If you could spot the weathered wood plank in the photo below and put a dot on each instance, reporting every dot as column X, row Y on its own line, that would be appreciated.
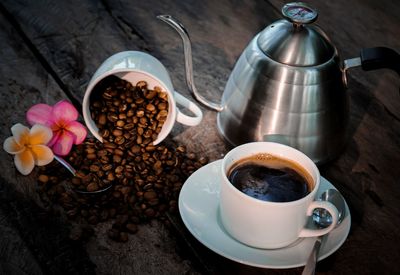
column 32, row 241
column 75, row 38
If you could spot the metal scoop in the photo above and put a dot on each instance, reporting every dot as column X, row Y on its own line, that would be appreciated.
column 71, row 169
column 323, row 219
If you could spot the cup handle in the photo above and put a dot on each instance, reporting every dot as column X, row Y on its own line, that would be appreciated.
column 306, row 232
column 185, row 119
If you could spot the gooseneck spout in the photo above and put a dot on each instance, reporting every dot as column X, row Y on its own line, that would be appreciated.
column 187, row 48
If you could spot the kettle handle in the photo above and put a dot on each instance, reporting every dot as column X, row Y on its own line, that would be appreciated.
column 187, row 48
column 373, row 59
column 378, row 58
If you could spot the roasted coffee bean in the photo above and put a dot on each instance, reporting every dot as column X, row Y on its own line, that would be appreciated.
column 149, row 195
column 91, row 156
column 153, row 202
column 43, row 178
column 151, row 94
column 122, row 108
column 116, row 194
column 143, row 122
column 140, row 113
column 87, row 178
column 134, row 219
column 94, row 168
column 122, row 219
column 117, row 132
column 76, row 181
column 117, row 159
column 93, row 186
column 129, row 126
column 129, row 141
column 191, row 156
column 139, row 182
column 97, row 104
column 102, row 119
column 148, row 186
column 112, row 212
column 107, row 167
column 112, row 117
column 131, row 228
column 119, row 140
column 141, row 85
column 100, row 174
column 203, row 160
column 148, row 133
column 150, row 212
column 130, row 113
column 181, row 149
column 135, row 149
column 140, row 131
column 113, row 234
column 110, row 145
column 110, row 176
column 90, row 150
column 102, row 153
column 93, row 219
column 105, row 133
column 157, row 164
column 107, row 95
column 150, row 148
column 119, row 169
column 162, row 106
column 116, row 102
column 150, row 107
column 120, row 123
column 123, row 237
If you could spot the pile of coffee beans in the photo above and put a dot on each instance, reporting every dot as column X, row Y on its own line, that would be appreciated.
column 126, row 178
column 127, row 115
column 143, row 191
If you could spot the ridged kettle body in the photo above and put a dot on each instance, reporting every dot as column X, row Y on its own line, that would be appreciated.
column 304, row 106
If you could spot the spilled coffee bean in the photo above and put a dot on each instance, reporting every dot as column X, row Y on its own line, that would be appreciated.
column 145, row 185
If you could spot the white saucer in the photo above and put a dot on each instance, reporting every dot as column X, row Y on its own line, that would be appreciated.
column 198, row 206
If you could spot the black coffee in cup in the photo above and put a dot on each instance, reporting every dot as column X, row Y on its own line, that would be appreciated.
column 270, row 178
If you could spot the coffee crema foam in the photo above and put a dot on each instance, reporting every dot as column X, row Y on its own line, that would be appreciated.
column 271, row 178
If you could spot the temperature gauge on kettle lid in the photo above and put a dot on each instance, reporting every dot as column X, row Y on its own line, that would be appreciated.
column 299, row 13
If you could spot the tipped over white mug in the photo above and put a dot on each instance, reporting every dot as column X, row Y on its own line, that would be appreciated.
column 135, row 66
column 265, row 224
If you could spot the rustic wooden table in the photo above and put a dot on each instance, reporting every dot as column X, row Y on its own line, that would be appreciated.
column 49, row 51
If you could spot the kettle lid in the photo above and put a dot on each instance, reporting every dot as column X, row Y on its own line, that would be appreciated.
column 293, row 41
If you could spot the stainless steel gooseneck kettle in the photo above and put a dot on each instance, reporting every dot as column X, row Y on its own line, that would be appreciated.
column 288, row 86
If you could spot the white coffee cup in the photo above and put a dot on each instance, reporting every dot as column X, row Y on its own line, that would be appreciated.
column 265, row 224
column 135, row 66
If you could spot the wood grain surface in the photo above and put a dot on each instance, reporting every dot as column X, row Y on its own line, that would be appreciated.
column 49, row 51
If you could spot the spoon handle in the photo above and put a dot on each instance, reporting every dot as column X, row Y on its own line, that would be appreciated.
column 309, row 269
column 65, row 164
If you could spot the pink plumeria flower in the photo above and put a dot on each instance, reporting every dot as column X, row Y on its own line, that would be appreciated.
column 29, row 147
column 61, row 118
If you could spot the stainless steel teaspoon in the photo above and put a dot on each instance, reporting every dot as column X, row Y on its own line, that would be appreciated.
column 323, row 219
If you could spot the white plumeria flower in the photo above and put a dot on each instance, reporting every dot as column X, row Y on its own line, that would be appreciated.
column 29, row 147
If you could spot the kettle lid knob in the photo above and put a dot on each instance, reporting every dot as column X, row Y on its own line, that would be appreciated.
column 299, row 13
